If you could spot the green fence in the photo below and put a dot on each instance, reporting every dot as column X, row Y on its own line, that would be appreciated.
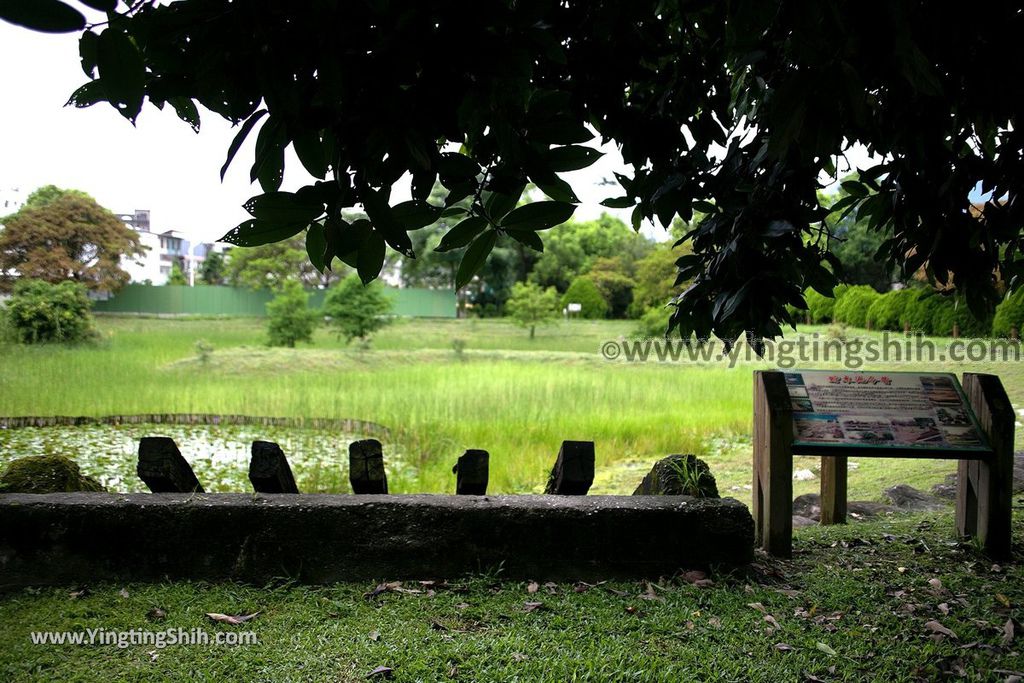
column 214, row 300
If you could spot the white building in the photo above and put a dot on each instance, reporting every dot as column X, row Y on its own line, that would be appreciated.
column 164, row 250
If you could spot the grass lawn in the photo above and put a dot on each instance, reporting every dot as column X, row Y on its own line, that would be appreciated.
column 515, row 397
column 868, row 601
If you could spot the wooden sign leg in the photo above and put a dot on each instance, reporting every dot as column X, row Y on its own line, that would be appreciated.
column 773, row 464
column 833, row 489
column 990, row 479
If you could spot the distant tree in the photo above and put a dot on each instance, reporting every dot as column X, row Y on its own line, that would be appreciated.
column 656, row 277
column 531, row 305
column 610, row 276
column 289, row 318
column 177, row 276
column 268, row 266
column 584, row 292
column 39, row 311
column 213, row 269
column 570, row 250
column 356, row 310
column 65, row 235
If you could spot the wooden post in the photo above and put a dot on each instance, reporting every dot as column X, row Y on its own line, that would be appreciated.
column 833, row 489
column 366, row 467
column 268, row 469
column 985, row 487
column 956, row 331
column 773, row 464
column 471, row 473
column 163, row 469
column 1014, row 333
column 573, row 472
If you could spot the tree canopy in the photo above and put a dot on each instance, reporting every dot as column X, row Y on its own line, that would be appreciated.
column 65, row 235
column 735, row 109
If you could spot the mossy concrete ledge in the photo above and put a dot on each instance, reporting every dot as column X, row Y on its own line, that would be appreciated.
column 88, row 537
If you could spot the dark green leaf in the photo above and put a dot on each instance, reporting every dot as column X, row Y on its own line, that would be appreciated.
column 618, row 203
column 386, row 222
column 239, row 138
column 186, row 111
column 498, row 204
column 101, row 5
column 310, row 150
column 253, row 233
column 268, row 166
column 555, row 187
column 854, row 188
column 561, row 131
column 284, row 207
column 538, row 216
column 528, row 238
column 474, row 258
column 88, row 45
column 88, row 95
column 415, row 214
column 123, row 72
column 316, row 245
column 48, row 16
column 705, row 207
column 462, row 234
column 572, row 158
column 454, row 166
column 371, row 257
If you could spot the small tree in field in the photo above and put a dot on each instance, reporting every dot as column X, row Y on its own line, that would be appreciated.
column 289, row 317
column 40, row 312
column 531, row 305
column 357, row 311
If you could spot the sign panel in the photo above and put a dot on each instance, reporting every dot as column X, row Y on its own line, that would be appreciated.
column 878, row 410
column 575, row 307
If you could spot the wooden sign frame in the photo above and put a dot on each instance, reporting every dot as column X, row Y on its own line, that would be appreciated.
column 984, row 481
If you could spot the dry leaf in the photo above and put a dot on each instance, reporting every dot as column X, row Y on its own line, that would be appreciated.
column 631, row 610
column 935, row 584
column 123, row 592
column 694, row 575
column 533, row 587
column 771, row 620
column 381, row 672
column 532, row 606
column 649, row 594
column 78, row 594
column 438, row 626
column 1005, row 601
column 375, row 636
column 1009, row 631
column 758, row 606
column 788, row 592
column 462, row 605
column 156, row 614
column 230, row 618
column 936, row 627
column 784, row 647
column 519, row 657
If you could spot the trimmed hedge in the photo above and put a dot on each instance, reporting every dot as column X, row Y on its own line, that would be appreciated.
column 952, row 311
column 852, row 307
column 1009, row 314
column 888, row 312
column 821, row 307
column 584, row 292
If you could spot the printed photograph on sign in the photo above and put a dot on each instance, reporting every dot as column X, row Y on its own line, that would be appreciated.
column 881, row 410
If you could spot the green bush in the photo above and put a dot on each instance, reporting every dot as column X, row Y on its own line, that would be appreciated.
column 1009, row 314
column 852, row 307
column 289, row 317
column 821, row 307
column 953, row 311
column 45, row 474
column 356, row 310
column 919, row 312
column 654, row 322
column 40, row 312
column 888, row 312
column 584, row 292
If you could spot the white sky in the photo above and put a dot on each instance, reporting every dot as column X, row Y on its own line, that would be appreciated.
column 160, row 164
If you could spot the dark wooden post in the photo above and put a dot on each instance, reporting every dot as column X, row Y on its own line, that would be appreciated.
column 162, row 467
column 366, row 467
column 833, row 489
column 985, row 486
column 268, row 469
column 471, row 473
column 956, row 331
column 773, row 464
column 573, row 472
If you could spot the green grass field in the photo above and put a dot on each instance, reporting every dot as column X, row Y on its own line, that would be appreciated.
column 515, row 397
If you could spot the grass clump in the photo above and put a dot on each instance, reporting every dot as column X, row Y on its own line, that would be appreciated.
column 45, row 474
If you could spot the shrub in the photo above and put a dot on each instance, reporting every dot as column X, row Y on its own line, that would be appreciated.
column 289, row 318
column 852, row 307
column 919, row 312
column 1009, row 314
column 821, row 307
column 584, row 292
column 39, row 312
column 888, row 312
column 953, row 311
column 357, row 310
column 654, row 322
column 45, row 474
column 531, row 305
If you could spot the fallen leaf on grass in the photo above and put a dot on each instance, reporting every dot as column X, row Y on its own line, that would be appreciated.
column 1003, row 600
column 649, row 594
column 1009, row 632
column 771, row 620
column 123, row 592
column 784, row 647
column 936, row 627
column 944, row 608
column 230, row 618
column 758, row 606
column 437, row 626
column 375, row 636
column 78, row 594
column 825, row 648
column 532, row 606
column 533, row 587
column 156, row 614
column 519, row 657
column 381, row 672
column 936, row 584
column 390, row 587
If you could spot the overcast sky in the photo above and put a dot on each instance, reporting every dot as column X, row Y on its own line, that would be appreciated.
column 159, row 164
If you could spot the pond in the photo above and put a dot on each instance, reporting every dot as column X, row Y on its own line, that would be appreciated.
column 219, row 454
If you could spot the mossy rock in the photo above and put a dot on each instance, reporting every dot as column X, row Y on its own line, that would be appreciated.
column 679, row 475
column 45, row 474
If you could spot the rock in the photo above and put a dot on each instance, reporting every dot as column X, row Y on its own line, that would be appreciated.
column 800, row 521
column 802, row 475
column 45, row 474
column 867, row 509
column 807, row 505
column 908, row 498
column 944, row 491
column 679, row 475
